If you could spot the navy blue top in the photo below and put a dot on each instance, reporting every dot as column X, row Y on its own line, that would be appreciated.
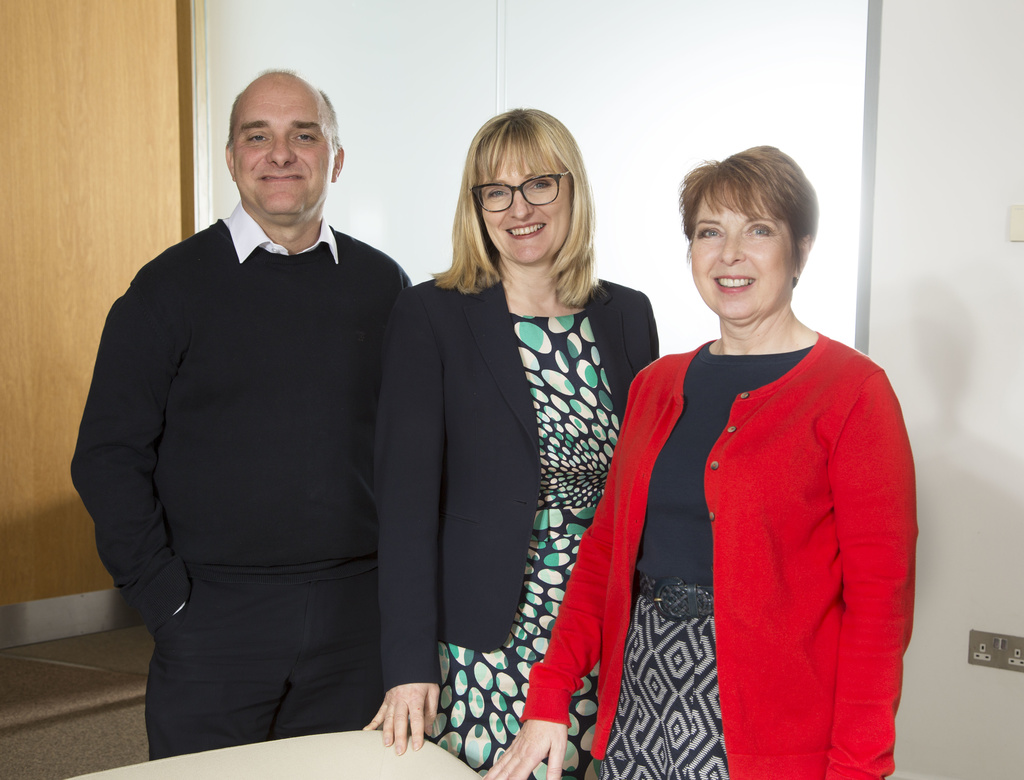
column 677, row 538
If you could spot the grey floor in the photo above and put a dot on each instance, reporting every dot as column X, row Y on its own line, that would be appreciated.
column 73, row 706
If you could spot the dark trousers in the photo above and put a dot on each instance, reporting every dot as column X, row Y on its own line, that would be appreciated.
column 246, row 662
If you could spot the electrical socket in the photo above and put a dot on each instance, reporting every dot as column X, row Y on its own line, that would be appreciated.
column 1000, row 651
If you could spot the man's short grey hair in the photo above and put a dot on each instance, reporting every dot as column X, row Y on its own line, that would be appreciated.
column 330, row 115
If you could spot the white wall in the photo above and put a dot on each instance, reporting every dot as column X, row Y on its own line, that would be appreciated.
column 649, row 89
column 947, row 300
column 411, row 82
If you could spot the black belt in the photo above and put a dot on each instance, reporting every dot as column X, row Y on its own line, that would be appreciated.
column 676, row 599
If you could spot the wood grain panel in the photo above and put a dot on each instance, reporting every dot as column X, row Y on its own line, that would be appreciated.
column 90, row 190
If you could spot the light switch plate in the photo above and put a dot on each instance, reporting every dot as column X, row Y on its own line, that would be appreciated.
column 1017, row 223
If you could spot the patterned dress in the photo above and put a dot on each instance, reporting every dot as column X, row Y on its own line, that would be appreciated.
column 483, row 693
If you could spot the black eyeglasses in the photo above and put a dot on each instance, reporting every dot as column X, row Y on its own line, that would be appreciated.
column 538, row 191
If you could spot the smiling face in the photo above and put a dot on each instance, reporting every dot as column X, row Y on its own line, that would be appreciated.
column 524, row 235
column 744, row 267
column 280, row 156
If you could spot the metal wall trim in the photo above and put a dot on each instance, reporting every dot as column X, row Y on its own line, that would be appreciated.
column 64, row 616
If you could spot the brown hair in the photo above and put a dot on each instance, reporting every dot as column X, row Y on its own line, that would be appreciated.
column 530, row 141
column 760, row 181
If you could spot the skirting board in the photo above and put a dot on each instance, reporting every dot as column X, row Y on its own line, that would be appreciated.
column 84, row 613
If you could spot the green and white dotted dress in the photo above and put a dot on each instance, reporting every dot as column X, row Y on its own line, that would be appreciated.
column 483, row 694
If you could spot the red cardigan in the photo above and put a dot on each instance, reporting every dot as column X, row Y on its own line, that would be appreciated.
column 812, row 501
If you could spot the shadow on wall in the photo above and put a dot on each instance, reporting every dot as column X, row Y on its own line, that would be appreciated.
column 970, row 509
column 961, row 475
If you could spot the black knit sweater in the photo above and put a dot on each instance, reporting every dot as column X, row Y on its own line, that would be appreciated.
column 230, row 420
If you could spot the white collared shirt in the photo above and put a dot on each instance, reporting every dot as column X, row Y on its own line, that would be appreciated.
column 247, row 235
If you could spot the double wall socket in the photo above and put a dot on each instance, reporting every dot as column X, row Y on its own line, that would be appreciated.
column 1000, row 651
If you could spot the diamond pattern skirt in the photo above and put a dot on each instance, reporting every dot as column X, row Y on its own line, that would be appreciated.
column 668, row 723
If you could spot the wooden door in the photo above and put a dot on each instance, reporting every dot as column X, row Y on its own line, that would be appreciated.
column 90, row 190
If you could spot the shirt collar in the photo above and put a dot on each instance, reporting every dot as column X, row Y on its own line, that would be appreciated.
column 247, row 235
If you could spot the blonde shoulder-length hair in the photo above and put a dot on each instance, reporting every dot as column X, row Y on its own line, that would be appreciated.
column 532, row 142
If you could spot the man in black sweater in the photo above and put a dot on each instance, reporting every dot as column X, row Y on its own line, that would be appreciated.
column 225, row 453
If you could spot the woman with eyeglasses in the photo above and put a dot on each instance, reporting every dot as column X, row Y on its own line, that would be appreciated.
column 505, row 382
column 748, row 580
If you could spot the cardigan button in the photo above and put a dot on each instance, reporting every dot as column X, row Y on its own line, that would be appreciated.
column 714, row 465
column 712, row 516
column 731, row 429
column 744, row 395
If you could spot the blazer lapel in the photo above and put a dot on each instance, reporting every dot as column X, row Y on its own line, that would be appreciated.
column 491, row 326
column 606, row 321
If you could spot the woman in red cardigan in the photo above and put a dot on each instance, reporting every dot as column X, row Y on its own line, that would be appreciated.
column 747, row 583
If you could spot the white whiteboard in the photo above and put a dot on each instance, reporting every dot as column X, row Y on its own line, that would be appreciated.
column 649, row 88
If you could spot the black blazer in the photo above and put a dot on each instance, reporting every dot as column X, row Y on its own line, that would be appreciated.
column 457, row 467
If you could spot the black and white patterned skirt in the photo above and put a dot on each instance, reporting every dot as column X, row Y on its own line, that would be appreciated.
column 668, row 725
